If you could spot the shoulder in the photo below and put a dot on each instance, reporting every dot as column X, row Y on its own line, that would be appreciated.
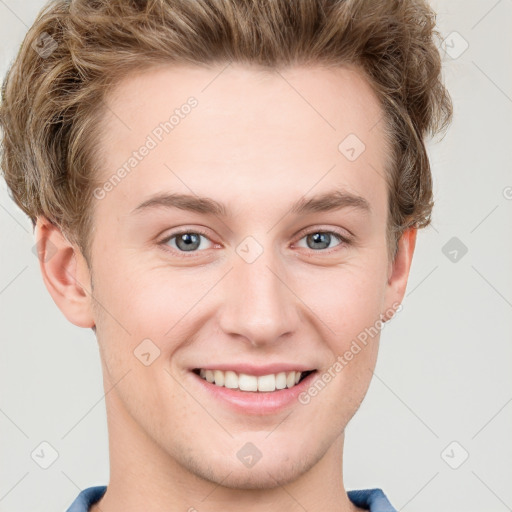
column 86, row 498
column 373, row 500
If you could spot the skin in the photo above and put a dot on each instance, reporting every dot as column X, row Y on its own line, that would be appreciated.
column 257, row 144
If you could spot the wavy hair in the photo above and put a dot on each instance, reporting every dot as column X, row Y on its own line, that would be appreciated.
column 52, row 103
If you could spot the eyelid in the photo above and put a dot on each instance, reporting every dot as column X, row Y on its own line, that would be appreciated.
column 345, row 239
column 172, row 234
column 344, row 235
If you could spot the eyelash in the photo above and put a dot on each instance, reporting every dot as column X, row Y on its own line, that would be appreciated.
column 181, row 254
column 344, row 241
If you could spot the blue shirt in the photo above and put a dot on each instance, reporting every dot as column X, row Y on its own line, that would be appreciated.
column 373, row 500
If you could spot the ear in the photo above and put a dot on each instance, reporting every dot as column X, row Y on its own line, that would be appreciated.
column 398, row 271
column 65, row 273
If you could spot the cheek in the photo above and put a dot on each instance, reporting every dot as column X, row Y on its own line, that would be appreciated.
column 352, row 314
column 156, row 304
column 350, row 308
column 347, row 300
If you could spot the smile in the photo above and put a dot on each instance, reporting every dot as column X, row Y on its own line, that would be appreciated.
column 245, row 382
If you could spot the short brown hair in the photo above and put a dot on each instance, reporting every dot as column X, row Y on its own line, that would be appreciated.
column 52, row 104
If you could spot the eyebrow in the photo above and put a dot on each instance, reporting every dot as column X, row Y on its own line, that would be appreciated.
column 329, row 201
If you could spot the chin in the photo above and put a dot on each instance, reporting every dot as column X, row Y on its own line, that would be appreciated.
column 268, row 474
column 269, row 477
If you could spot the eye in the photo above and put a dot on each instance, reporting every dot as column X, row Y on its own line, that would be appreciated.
column 185, row 241
column 319, row 240
column 190, row 241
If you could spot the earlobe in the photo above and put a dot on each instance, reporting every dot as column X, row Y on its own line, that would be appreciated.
column 399, row 269
column 65, row 273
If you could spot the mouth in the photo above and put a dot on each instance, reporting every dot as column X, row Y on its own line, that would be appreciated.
column 270, row 383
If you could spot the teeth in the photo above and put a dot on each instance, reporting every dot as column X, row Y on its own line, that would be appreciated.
column 281, row 380
column 230, row 380
column 244, row 382
column 247, row 382
column 219, row 377
column 267, row 383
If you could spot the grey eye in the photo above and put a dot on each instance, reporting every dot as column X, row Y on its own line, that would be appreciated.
column 186, row 242
column 320, row 240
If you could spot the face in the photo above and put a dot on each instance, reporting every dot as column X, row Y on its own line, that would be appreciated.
column 275, row 262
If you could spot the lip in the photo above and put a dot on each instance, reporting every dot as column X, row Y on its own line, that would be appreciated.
column 253, row 402
column 257, row 371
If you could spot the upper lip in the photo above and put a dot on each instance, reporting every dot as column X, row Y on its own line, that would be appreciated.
column 251, row 369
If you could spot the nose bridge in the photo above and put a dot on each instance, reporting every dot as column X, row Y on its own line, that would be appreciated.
column 257, row 305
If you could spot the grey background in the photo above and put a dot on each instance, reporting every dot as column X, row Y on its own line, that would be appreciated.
column 444, row 372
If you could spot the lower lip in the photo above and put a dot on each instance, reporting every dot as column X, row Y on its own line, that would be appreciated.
column 253, row 402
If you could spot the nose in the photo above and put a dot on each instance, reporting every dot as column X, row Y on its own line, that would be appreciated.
column 258, row 305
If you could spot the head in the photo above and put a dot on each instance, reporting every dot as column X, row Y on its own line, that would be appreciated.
column 266, row 115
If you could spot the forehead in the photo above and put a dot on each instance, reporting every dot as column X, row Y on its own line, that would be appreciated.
column 249, row 133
